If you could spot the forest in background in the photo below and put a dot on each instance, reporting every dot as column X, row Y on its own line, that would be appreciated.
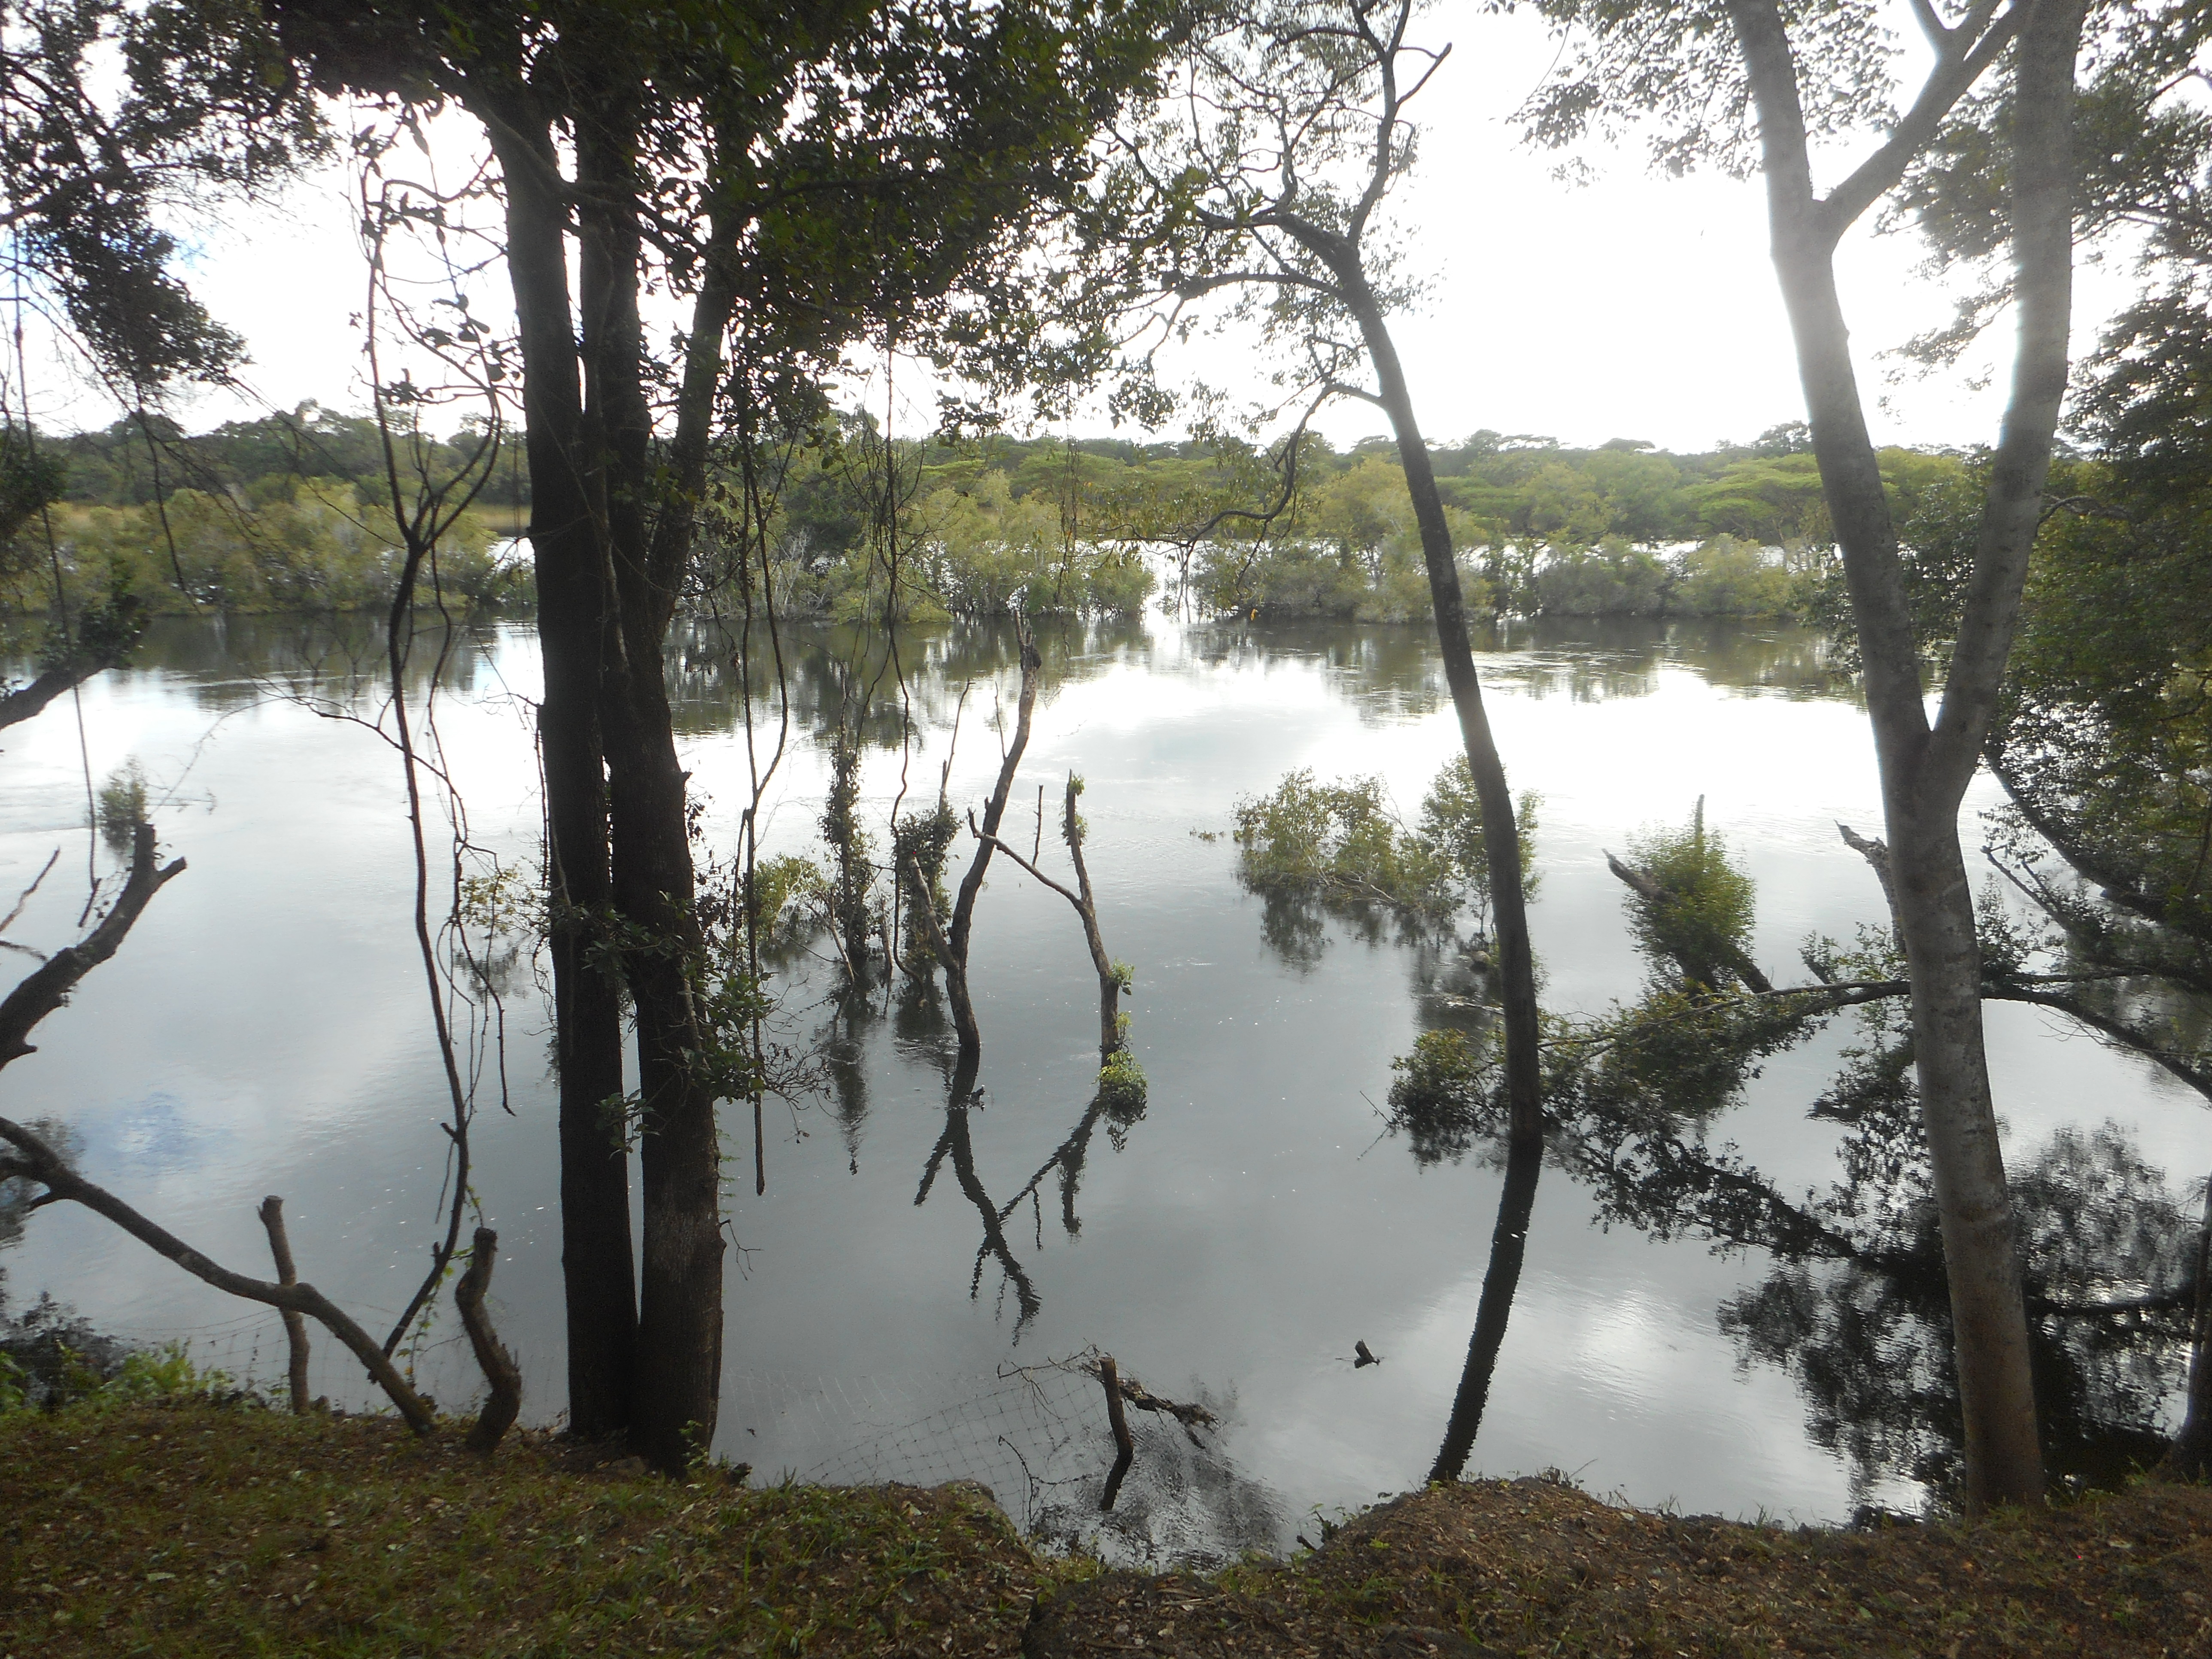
column 291, row 512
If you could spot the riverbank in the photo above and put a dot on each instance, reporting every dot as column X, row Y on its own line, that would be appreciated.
column 198, row 1531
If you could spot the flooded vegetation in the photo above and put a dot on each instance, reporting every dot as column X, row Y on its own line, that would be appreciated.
column 1731, row 1296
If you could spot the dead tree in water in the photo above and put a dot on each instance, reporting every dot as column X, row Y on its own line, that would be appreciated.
column 33, row 1159
column 29, row 1156
column 1113, row 978
column 950, row 944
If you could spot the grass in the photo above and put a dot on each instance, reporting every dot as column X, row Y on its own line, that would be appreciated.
column 200, row 1531
column 193, row 1530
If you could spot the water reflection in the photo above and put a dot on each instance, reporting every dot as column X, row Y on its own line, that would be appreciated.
column 840, row 675
column 1855, row 1306
column 1266, row 1029
column 233, row 662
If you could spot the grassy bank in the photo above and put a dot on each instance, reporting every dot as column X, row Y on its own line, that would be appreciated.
column 198, row 1531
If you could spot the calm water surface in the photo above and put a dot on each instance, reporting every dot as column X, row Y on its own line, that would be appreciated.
column 263, row 1031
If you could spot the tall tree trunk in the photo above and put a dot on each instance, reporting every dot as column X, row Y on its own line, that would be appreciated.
column 1926, row 769
column 1501, row 834
column 1501, row 845
column 598, row 1269
column 1508, row 1243
column 679, row 1369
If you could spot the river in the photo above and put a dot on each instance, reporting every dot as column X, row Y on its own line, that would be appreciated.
column 264, row 1030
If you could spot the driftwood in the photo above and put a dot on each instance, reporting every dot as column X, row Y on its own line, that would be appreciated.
column 295, row 1326
column 504, row 1403
column 1133, row 1392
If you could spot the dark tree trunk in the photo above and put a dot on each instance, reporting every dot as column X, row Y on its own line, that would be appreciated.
column 1926, row 769
column 2190, row 1458
column 953, row 950
column 679, row 1369
column 1501, row 834
column 598, row 1271
column 1508, row 1243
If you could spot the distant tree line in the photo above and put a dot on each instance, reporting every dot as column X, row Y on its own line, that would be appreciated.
column 291, row 512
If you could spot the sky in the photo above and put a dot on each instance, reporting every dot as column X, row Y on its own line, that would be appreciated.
column 1633, row 307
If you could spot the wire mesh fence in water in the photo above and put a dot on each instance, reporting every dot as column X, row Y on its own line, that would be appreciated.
column 1037, row 1436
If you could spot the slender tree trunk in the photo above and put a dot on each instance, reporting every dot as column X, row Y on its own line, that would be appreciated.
column 1501, row 834
column 2190, row 1458
column 295, row 1324
column 1926, row 769
column 679, row 1368
column 953, row 951
column 1110, row 983
column 1508, row 1243
column 597, row 1270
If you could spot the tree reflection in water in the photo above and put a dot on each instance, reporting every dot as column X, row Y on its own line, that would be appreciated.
column 957, row 1144
column 1855, row 1306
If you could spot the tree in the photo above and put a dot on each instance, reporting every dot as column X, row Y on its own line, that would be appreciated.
column 926, row 140
column 1276, row 196
column 1715, row 73
column 1278, row 174
column 111, row 115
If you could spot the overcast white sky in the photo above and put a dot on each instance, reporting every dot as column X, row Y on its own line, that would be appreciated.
column 1638, row 306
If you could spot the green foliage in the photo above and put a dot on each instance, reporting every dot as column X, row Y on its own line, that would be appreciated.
column 1452, row 834
column 117, row 117
column 1726, row 577
column 786, row 897
column 32, row 477
column 1702, row 926
column 1123, row 1087
column 1438, row 1099
column 311, row 544
column 121, row 805
column 1334, row 840
column 1342, row 841
column 854, row 876
column 51, row 1359
column 921, row 841
column 1612, row 580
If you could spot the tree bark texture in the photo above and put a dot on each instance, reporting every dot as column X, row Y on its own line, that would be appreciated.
column 679, row 1364
column 597, row 1268
column 1925, row 768
column 502, row 1377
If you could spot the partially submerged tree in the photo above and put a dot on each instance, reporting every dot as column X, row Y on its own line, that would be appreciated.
column 1715, row 75
column 1274, row 173
column 803, row 181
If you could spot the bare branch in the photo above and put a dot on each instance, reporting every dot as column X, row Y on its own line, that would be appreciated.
column 48, row 1166
column 48, row 987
